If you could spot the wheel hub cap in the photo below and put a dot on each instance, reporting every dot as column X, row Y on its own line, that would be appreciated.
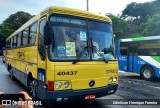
column 147, row 73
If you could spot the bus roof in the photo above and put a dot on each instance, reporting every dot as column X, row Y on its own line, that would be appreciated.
column 140, row 38
column 76, row 12
column 64, row 11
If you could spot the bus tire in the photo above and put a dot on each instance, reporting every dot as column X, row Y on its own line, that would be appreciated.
column 11, row 74
column 147, row 73
column 8, row 67
column 32, row 88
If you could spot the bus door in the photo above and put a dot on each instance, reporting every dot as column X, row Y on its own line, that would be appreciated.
column 132, row 57
column 41, row 89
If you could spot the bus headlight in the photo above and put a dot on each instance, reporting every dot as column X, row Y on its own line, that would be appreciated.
column 115, row 79
column 110, row 80
column 58, row 85
column 66, row 84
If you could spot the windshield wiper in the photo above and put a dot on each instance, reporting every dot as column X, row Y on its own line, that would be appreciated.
column 79, row 55
column 95, row 48
column 99, row 54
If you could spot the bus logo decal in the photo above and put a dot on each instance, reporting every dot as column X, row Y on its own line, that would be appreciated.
column 91, row 83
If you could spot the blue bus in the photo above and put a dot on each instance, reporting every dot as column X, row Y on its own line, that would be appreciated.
column 140, row 55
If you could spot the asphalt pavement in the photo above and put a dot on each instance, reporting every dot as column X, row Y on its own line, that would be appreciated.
column 131, row 87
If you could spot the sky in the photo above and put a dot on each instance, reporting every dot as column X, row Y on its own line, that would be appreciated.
column 8, row 7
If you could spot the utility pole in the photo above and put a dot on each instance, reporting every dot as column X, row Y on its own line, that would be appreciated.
column 87, row 5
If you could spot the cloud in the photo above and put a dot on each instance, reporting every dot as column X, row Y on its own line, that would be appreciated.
column 8, row 7
column 111, row 6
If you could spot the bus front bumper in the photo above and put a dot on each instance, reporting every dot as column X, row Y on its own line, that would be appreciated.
column 69, row 95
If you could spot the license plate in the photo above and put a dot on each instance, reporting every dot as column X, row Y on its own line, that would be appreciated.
column 93, row 96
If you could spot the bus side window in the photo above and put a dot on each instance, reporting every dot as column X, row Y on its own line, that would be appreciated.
column 123, row 48
column 11, row 41
column 19, row 39
column 15, row 41
column 33, row 32
column 8, row 44
column 25, row 37
column 41, row 46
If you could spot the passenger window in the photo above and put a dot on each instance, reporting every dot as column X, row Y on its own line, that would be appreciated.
column 25, row 37
column 32, row 35
column 19, row 39
column 15, row 41
column 8, row 44
column 41, row 46
column 11, row 42
column 42, row 24
column 123, row 48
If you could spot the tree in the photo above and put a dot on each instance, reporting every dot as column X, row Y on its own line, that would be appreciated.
column 144, row 18
column 121, row 27
column 152, row 26
column 139, row 12
column 116, row 23
column 16, row 20
column 156, row 4
column 5, row 31
column 13, row 22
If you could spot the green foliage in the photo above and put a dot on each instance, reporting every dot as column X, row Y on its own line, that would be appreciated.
column 137, row 19
column 5, row 31
column 122, row 28
column 152, row 26
column 16, row 20
column 13, row 22
column 139, row 12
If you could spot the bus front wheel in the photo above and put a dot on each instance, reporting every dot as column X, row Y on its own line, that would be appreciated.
column 11, row 74
column 147, row 73
column 32, row 88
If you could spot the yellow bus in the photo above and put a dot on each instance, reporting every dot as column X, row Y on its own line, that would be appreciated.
column 64, row 54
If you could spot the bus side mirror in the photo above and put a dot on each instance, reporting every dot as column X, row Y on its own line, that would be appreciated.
column 47, row 35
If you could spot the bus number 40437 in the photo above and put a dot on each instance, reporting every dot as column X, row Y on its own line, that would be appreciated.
column 67, row 73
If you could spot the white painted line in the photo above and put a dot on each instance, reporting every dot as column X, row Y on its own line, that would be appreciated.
column 154, row 87
column 124, row 81
column 122, row 71
column 142, row 84
column 129, row 81
column 135, row 83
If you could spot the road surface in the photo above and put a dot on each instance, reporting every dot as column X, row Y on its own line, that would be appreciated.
column 131, row 86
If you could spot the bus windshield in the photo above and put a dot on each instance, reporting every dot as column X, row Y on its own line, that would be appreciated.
column 102, row 39
column 71, row 39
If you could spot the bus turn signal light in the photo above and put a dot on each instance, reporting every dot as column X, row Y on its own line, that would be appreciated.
column 50, row 85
